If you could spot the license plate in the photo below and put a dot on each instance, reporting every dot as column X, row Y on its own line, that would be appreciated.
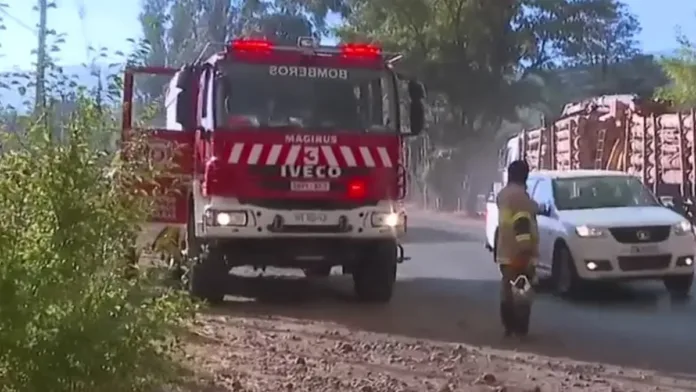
column 309, row 186
column 644, row 249
column 310, row 218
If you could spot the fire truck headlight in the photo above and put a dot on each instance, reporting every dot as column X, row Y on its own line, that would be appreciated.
column 226, row 218
column 223, row 219
column 380, row 219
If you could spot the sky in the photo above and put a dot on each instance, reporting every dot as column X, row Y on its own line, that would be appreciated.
column 107, row 23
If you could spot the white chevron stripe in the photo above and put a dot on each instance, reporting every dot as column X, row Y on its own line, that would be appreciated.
column 273, row 155
column 348, row 156
column 292, row 155
column 329, row 155
column 236, row 153
column 367, row 157
column 255, row 154
column 384, row 155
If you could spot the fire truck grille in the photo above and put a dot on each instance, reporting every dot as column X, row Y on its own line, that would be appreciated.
column 290, row 204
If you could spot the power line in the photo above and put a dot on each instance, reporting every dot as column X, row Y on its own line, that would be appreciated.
column 18, row 21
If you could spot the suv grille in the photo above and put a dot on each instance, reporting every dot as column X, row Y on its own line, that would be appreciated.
column 640, row 235
column 640, row 263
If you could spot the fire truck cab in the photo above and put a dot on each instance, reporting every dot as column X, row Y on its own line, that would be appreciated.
column 293, row 158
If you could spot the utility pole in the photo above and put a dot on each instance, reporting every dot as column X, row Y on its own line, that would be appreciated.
column 41, row 59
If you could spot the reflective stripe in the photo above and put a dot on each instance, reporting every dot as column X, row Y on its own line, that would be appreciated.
column 523, row 237
column 521, row 215
column 505, row 260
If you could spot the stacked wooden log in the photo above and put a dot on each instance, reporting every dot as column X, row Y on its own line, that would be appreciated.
column 654, row 145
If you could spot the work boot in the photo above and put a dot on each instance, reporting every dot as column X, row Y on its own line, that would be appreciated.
column 507, row 317
column 522, row 318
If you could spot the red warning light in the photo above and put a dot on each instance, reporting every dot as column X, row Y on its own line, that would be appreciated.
column 361, row 51
column 356, row 189
column 250, row 45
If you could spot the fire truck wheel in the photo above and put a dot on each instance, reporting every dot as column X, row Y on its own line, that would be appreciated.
column 207, row 273
column 322, row 271
column 207, row 277
column 373, row 279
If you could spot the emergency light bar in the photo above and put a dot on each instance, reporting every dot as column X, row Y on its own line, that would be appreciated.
column 250, row 45
column 306, row 44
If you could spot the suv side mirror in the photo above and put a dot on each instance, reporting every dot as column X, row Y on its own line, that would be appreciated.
column 544, row 209
column 416, row 93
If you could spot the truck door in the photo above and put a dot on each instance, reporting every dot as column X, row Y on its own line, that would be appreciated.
column 169, row 151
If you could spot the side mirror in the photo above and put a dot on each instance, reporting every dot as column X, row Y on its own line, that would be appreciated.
column 667, row 201
column 416, row 90
column 544, row 210
column 495, row 189
column 416, row 93
column 417, row 117
column 185, row 77
column 184, row 110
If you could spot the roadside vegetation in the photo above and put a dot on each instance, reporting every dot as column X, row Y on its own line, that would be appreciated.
column 681, row 70
column 70, row 320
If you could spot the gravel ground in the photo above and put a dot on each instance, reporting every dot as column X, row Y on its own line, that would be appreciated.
column 304, row 337
column 237, row 352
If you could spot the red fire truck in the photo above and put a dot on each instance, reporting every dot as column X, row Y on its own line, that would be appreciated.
column 292, row 157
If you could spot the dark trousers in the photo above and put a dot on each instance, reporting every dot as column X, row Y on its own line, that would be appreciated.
column 515, row 317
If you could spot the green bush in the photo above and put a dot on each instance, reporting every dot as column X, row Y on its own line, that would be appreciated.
column 69, row 321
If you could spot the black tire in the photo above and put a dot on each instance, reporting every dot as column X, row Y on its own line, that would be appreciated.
column 207, row 273
column 564, row 276
column 679, row 286
column 495, row 246
column 373, row 279
column 322, row 271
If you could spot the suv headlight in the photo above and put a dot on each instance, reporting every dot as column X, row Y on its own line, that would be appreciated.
column 589, row 231
column 682, row 228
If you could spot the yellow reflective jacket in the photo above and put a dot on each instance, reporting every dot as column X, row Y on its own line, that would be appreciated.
column 517, row 226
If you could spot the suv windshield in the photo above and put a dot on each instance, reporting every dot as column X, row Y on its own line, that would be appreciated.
column 601, row 192
column 299, row 96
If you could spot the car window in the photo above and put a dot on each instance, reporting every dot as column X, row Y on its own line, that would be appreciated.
column 602, row 192
column 543, row 193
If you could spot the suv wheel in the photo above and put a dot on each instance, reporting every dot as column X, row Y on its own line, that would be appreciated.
column 373, row 279
column 564, row 276
column 679, row 286
column 207, row 274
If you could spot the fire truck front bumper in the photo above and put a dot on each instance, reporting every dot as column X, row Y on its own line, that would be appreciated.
column 240, row 221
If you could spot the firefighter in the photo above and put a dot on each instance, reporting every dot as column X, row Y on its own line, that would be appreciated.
column 516, row 247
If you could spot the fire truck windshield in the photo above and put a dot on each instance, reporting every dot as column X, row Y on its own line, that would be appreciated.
column 305, row 96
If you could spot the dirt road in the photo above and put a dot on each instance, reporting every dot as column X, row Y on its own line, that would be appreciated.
column 293, row 334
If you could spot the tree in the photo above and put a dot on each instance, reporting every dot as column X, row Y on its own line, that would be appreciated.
column 681, row 70
column 482, row 60
column 609, row 38
column 179, row 31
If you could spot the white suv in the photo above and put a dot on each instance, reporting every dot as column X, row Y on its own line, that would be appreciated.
column 605, row 225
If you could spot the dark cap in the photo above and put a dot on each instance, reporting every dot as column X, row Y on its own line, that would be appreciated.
column 518, row 172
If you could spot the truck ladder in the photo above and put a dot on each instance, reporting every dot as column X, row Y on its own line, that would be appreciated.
column 599, row 154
